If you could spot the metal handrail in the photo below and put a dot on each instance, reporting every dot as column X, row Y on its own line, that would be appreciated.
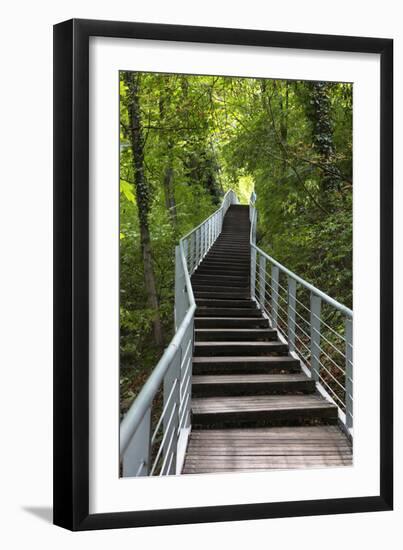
column 331, row 301
column 229, row 195
column 173, row 370
column 144, row 399
column 320, row 357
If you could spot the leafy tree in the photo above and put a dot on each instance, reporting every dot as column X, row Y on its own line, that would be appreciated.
column 187, row 139
column 135, row 134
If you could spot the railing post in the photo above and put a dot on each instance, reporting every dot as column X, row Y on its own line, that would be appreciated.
column 315, row 334
column 292, row 292
column 180, row 288
column 200, row 244
column 197, row 249
column 348, row 334
column 202, row 240
column 186, row 377
column 171, row 418
column 274, row 295
column 252, row 272
column 262, row 282
column 136, row 458
column 186, row 253
column 254, row 217
column 191, row 252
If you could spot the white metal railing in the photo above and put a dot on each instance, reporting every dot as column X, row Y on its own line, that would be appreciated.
column 154, row 432
column 317, row 328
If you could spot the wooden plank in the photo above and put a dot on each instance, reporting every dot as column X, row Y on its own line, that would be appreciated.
column 269, row 433
column 243, row 348
column 267, row 461
column 234, row 334
column 236, row 331
column 267, row 446
column 258, row 403
column 199, row 454
column 215, row 469
column 247, row 461
column 250, row 384
column 207, row 311
column 283, row 463
column 263, row 449
column 261, row 410
column 249, row 358
column 247, row 378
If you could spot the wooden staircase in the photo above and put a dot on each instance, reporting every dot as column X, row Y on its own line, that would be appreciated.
column 252, row 406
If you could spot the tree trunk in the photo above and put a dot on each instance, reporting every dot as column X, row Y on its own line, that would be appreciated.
column 281, row 133
column 283, row 120
column 169, row 192
column 322, row 134
column 132, row 81
column 169, row 188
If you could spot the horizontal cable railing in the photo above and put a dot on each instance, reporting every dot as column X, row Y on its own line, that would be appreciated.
column 317, row 328
column 154, row 432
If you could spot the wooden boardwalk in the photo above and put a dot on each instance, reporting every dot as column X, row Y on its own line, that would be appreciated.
column 262, row 449
column 252, row 406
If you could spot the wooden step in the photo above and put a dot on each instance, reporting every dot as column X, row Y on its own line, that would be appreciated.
column 224, row 267
column 220, row 295
column 226, row 278
column 219, row 280
column 235, row 233
column 223, row 271
column 228, row 290
column 226, row 312
column 247, row 364
column 227, row 252
column 231, row 322
column 228, row 241
column 250, row 384
column 216, row 349
column 233, row 243
column 217, row 302
column 223, row 259
column 234, row 334
column 223, row 250
column 214, row 261
column 261, row 410
column 305, row 435
column 227, row 249
column 228, row 255
column 228, row 244
column 227, row 259
column 226, row 233
column 266, row 449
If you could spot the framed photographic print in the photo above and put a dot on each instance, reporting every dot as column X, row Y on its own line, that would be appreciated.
column 223, row 274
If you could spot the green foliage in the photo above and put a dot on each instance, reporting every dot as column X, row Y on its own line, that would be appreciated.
column 290, row 141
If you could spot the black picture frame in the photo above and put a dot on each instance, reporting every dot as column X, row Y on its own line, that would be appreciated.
column 71, row 274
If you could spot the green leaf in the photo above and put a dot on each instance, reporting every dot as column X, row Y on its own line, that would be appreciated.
column 127, row 189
